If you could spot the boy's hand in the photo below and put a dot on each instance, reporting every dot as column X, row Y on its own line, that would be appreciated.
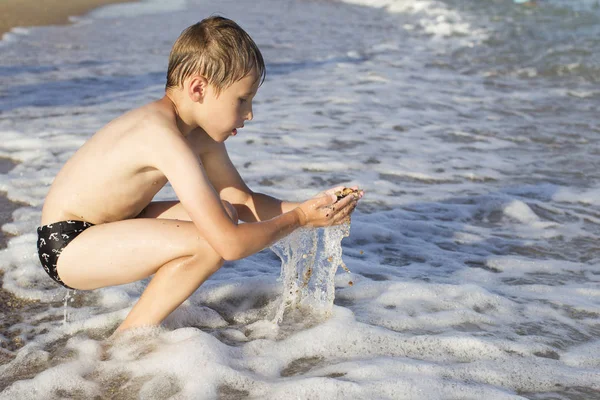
column 325, row 209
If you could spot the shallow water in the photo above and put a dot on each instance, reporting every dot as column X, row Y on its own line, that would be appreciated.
column 471, row 125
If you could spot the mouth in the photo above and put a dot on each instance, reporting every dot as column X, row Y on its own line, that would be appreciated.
column 235, row 131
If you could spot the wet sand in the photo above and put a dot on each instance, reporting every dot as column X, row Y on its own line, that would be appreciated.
column 15, row 13
column 10, row 305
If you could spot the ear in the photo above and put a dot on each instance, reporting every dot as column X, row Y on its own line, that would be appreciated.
column 197, row 86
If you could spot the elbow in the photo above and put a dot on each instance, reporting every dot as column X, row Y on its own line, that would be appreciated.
column 232, row 253
column 237, row 245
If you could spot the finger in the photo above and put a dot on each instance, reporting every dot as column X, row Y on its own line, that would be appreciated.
column 331, row 213
column 343, row 202
column 343, row 213
column 357, row 191
column 356, row 195
column 360, row 192
column 341, row 209
column 350, row 207
column 341, row 218
column 347, row 209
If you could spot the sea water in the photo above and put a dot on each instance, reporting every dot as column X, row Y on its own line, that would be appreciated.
column 472, row 126
column 309, row 260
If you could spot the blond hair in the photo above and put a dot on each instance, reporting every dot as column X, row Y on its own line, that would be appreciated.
column 216, row 48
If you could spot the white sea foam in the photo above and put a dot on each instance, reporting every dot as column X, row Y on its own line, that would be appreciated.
column 568, row 195
column 433, row 17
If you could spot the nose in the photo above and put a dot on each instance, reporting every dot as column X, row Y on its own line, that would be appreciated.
column 250, row 115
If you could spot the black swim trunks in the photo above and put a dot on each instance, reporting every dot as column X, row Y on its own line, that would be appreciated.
column 52, row 239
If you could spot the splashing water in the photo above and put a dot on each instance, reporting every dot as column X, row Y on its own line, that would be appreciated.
column 68, row 296
column 309, row 261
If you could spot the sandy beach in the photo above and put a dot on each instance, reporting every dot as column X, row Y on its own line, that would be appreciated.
column 15, row 13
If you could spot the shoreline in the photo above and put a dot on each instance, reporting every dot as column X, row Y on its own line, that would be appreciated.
column 6, row 206
column 27, row 13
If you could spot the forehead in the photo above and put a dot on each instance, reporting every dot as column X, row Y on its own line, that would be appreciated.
column 248, row 84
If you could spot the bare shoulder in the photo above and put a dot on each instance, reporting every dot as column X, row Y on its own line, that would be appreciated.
column 144, row 139
column 153, row 129
column 156, row 120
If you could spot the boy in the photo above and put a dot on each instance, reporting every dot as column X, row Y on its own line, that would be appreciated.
column 99, row 225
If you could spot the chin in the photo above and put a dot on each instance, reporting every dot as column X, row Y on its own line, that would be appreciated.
column 218, row 137
column 222, row 138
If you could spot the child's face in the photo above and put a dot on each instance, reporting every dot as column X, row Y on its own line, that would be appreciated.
column 224, row 114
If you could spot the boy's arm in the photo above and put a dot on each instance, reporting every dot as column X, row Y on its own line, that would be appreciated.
column 172, row 155
column 251, row 206
column 261, row 207
column 184, row 170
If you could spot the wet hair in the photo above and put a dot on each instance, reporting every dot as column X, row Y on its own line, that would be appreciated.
column 216, row 48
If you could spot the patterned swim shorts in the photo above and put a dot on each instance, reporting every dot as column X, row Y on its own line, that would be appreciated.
column 52, row 239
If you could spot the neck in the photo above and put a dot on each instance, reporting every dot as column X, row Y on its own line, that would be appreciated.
column 185, row 122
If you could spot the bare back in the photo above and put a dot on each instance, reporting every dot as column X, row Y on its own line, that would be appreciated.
column 110, row 178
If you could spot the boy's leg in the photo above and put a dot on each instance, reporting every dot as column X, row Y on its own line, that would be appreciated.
column 178, row 276
column 173, row 277
column 172, row 284
column 130, row 250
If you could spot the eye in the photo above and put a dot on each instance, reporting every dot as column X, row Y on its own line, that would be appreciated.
column 243, row 100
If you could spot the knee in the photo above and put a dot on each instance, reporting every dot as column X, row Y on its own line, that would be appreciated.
column 211, row 269
column 231, row 211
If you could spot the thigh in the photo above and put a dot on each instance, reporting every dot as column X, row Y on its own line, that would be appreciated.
column 174, row 210
column 165, row 210
column 126, row 251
